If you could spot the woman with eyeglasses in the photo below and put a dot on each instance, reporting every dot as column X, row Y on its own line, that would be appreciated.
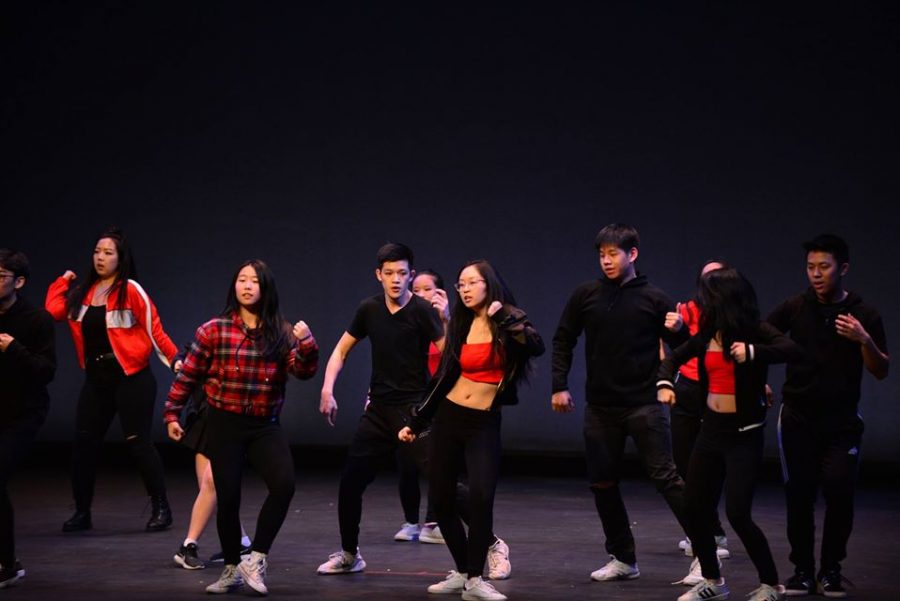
column 490, row 343
column 116, row 329
column 242, row 359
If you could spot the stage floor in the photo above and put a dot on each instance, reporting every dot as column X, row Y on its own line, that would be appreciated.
column 549, row 523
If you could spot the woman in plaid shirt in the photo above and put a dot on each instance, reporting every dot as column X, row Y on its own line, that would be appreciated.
column 242, row 359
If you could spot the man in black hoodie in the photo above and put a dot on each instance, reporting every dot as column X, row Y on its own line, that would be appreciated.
column 623, row 318
column 27, row 364
column 820, row 430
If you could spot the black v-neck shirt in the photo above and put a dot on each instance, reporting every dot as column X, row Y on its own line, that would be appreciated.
column 399, row 346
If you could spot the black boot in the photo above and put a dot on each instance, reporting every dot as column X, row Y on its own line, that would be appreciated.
column 80, row 520
column 160, row 514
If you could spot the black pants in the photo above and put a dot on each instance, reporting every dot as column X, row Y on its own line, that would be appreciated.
column 230, row 438
column 725, row 454
column 16, row 438
column 605, row 431
column 687, row 414
column 465, row 439
column 374, row 441
column 811, row 457
column 106, row 392
column 408, row 484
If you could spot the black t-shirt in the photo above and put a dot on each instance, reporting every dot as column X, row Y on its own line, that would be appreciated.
column 399, row 346
column 826, row 385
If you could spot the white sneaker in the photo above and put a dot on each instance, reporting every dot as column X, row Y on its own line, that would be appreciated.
column 230, row 580
column 477, row 589
column 722, row 551
column 342, row 563
column 707, row 590
column 499, row 567
column 408, row 532
column 431, row 533
column 253, row 570
column 695, row 575
column 454, row 583
column 767, row 592
column 616, row 570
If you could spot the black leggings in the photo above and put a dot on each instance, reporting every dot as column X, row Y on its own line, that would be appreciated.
column 687, row 416
column 16, row 438
column 463, row 438
column 723, row 454
column 231, row 437
column 107, row 391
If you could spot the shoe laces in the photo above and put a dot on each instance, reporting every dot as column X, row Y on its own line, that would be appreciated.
column 835, row 576
column 765, row 592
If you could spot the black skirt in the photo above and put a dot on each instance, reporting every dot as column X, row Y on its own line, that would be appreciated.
column 195, row 429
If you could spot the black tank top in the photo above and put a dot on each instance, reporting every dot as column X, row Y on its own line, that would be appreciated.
column 93, row 329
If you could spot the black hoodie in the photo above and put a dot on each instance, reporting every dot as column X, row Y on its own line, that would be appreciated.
column 826, row 384
column 622, row 326
column 29, row 363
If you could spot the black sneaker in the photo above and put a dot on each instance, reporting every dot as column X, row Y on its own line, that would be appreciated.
column 831, row 584
column 9, row 575
column 187, row 557
column 800, row 584
column 219, row 557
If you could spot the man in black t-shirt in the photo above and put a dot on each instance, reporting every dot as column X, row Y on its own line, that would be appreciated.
column 400, row 327
column 820, row 430
column 27, row 365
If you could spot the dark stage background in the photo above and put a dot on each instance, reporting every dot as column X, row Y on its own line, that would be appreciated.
column 309, row 135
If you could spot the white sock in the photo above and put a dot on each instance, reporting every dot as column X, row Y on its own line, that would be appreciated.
column 245, row 541
column 188, row 541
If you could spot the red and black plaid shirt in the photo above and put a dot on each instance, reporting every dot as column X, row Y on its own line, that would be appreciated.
column 236, row 377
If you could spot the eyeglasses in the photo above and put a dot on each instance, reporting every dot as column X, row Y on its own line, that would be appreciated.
column 463, row 285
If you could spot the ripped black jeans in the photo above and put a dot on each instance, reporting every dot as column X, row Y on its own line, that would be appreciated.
column 605, row 432
column 106, row 392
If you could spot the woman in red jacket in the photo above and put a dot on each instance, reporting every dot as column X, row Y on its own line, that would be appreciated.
column 115, row 328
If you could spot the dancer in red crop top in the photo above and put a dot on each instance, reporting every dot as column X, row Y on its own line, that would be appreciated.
column 687, row 413
column 734, row 350
column 489, row 345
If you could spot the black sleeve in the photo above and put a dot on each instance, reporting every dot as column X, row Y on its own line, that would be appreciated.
column 358, row 327
column 782, row 315
column 38, row 358
column 431, row 320
column 775, row 347
column 692, row 347
column 513, row 321
column 564, row 341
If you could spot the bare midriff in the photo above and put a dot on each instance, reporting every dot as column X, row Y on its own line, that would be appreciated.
column 721, row 403
column 474, row 395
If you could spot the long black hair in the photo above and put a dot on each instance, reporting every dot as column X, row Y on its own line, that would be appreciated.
column 730, row 308
column 125, row 271
column 700, row 276
column 272, row 328
column 461, row 319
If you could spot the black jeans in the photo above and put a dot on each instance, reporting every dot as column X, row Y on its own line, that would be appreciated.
column 605, row 431
column 465, row 439
column 230, row 438
column 16, row 438
column 687, row 415
column 107, row 391
column 813, row 457
column 725, row 454
column 375, row 440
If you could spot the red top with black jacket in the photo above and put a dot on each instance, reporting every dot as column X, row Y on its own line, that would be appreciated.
column 134, row 329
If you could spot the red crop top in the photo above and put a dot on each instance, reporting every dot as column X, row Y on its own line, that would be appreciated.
column 720, row 372
column 480, row 363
